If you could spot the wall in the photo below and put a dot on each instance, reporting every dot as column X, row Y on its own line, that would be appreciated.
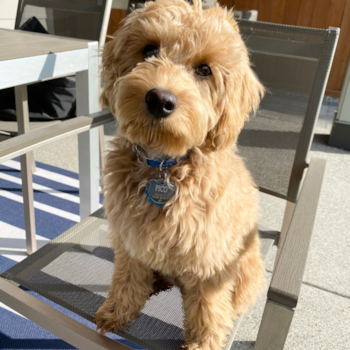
column 309, row 13
column 8, row 10
column 118, row 12
column 116, row 16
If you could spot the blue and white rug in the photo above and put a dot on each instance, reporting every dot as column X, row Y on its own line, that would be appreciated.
column 56, row 203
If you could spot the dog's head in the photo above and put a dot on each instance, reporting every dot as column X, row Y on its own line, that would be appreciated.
column 177, row 77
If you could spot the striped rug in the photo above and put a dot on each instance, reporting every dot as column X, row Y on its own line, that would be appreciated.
column 56, row 203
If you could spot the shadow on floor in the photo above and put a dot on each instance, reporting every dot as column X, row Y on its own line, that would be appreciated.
column 243, row 345
column 320, row 143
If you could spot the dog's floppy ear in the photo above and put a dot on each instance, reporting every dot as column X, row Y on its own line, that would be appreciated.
column 112, row 66
column 243, row 95
column 243, row 92
column 107, row 59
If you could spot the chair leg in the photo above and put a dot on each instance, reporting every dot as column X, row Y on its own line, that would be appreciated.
column 28, row 203
column 32, row 162
column 89, row 174
column 22, row 113
column 102, row 151
column 88, row 102
column 274, row 327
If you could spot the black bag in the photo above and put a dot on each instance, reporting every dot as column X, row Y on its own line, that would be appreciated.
column 49, row 100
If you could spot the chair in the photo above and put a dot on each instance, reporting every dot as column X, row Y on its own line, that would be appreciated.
column 81, row 19
column 294, row 64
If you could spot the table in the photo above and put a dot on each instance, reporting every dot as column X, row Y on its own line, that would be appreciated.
column 27, row 58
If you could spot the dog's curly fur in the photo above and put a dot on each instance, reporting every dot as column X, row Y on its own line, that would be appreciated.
column 205, row 237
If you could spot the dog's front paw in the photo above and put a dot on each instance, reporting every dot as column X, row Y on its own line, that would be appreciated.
column 112, row 316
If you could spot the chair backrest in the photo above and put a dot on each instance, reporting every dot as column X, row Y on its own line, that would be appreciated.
column 293, row 63
column 81, row 19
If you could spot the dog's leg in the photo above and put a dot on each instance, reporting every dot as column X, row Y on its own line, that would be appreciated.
column 249, row 277
column 130, row 287
column 209, row 314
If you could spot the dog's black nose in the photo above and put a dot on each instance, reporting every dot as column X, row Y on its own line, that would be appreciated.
column 161, row 103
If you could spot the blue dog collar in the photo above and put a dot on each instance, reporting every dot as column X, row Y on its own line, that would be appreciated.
column 157, row 163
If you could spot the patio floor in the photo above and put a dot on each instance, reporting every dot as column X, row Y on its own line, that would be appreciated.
column 322, row 318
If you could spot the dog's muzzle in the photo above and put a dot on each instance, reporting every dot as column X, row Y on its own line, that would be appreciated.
column 161, row 103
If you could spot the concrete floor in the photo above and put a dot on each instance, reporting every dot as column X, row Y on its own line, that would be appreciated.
column 322, row 317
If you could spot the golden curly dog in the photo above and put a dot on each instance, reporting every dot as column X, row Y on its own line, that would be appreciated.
column 178, row 80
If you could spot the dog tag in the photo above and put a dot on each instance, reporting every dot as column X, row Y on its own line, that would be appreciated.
column 159, row 192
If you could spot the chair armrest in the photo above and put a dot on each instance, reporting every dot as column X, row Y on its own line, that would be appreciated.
column 100, row 118
column 64, row 327
column 34, row 139
column 287, row 277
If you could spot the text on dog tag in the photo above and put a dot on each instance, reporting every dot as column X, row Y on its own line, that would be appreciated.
column 159, row 192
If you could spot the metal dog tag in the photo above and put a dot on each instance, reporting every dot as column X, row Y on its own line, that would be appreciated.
column 159, row 192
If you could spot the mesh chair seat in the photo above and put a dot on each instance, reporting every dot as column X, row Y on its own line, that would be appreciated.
column 75, row 269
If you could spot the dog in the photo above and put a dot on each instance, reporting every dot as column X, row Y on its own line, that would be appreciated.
column 178, row 197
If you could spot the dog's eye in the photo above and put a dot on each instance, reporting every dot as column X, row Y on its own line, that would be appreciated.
column 149, row 51
column 203, row 70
